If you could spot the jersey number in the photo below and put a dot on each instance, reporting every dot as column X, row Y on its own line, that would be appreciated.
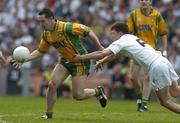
column 140, row 42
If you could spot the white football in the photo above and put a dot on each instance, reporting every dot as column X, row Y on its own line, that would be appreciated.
column 21, row 53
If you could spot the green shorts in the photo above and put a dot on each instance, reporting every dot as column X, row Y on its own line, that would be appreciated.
column 76, row 68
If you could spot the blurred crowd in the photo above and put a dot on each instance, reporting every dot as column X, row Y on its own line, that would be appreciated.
column 18, row 26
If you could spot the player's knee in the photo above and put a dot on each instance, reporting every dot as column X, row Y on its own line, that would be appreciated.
column 175, row 92
column 165, row 103
column 77, row 96
column 52, row 85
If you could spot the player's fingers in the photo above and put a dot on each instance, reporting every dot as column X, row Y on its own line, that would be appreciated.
column 97, row 69
column 101, row 66
column 12, row 61
column 17, row 66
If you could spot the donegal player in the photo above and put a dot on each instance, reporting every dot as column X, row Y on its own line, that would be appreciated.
column 65, row 38
column 146, row 23
column 3, row 60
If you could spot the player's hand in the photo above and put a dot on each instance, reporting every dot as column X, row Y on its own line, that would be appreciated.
column 77, row 58
column 2, row 59
column 164, row 53
column 101, row 48
column 98, row 65
column 16, row 64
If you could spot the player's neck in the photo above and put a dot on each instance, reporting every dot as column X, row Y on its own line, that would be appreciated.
column 146, row 11
column 53, row 26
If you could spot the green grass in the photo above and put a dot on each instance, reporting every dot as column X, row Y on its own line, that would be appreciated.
column 29, row 110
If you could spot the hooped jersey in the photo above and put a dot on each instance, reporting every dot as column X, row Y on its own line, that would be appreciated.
column 147, row 27
column 65, row 38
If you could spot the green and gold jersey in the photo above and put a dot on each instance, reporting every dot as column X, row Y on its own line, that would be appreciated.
column 65, row 38
column 147, row 27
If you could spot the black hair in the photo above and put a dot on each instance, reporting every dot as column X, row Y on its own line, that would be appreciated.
column 120, row 27
column 47, row 12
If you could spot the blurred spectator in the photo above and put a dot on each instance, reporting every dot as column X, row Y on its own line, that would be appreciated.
column 121, row 84
column 13, row 83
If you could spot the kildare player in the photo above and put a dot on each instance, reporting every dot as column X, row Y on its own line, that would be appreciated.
column 161, row 72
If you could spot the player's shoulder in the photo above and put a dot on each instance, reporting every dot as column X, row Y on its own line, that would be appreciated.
column 126, row 38
column 133, row 11
column 45, row 33
column 155, row 11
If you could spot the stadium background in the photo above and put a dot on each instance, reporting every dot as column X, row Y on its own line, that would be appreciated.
column 18, row 26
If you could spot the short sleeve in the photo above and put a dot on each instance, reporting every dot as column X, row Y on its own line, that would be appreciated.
column 115, row 47
column 77, row 29
column 130, row 23
column 44, row 45
column 162, row 28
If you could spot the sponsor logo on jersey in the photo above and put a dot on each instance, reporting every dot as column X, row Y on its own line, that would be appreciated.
column 145, row 27
column 59, row 44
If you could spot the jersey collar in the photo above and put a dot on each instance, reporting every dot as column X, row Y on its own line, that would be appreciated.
column 149, row 13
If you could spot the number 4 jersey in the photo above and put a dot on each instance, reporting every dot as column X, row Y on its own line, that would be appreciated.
column 133, row 47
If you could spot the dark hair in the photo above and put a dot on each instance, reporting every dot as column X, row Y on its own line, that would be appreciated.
column 47, row 12
column 120, row 27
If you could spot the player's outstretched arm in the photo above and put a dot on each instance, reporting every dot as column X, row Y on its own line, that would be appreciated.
column 35, row 54
column 106, row 59
column 94, row 55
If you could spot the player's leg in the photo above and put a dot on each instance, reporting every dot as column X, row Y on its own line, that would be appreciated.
column 58, row 76
column 146, row 87
column 175, row 89
column 135, row 71
column 165, row 100
column 164, row 79
column 80, row 92
column 146, row 92
column 79, row 72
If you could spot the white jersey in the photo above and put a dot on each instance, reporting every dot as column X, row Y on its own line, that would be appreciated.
column 133, row 47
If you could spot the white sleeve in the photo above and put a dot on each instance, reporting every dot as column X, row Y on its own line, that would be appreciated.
column 115, row 47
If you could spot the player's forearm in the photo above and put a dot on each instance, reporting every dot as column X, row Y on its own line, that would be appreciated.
column 164, row 42
column 35, row 54
column 164, row 45
column 95, row 40
column 107, row 59
column 93, row 55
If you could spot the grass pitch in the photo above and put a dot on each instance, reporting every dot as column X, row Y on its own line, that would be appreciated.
column 29, row 110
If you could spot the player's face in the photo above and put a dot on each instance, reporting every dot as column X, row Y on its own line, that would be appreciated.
column 115, row 35
column 46, row 23
column 145, row 3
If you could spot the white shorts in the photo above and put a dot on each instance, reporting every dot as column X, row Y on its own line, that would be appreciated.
column 162, row 74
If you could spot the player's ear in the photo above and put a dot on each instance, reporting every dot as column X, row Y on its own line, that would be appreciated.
column 52, row 18
column 120, row 33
